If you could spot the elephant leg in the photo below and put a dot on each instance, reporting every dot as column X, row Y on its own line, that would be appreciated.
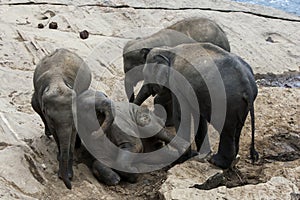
column 125, row 159
column 183, row 129
column 179, row 144
column 201, row 139
column 36, row 107
column 105, row 174
column 226, row 151
column 165, row 101
column 237, row 138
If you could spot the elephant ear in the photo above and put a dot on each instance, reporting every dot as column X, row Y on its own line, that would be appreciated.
column 144, row 52
column 162, row 59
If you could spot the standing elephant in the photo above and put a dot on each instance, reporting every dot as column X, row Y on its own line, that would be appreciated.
column 57, row 78
column 134, row 130
column 223, row 86
column 185, row 31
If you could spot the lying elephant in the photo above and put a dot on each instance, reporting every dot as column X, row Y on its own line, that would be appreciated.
column 223, row 86
column 56, row 79
column 185, row 31
column 134, row 128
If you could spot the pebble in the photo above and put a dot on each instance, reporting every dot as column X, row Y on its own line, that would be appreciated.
column 41, row 26
column 53, row 25
column 84, row 34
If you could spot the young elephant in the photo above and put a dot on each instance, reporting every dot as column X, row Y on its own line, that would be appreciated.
column 207, row 81
column 56, row 79
column 185, row 31
column 132, row 130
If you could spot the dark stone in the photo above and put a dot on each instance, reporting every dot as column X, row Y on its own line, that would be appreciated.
column 269, row 39
column 53, row 25
column 41, row 26
column 84, row 34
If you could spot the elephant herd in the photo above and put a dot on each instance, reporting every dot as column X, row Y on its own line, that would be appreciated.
column 189, row 70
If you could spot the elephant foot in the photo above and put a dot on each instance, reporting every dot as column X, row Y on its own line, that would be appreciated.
column 220, row 161
column 105, row 174
column 129, row 177
column 186, row 156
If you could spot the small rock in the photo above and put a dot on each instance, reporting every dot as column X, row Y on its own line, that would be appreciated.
column 269, row 39
column 40, row 26
column 44, row 166
column 53, row 25
column 84, row 34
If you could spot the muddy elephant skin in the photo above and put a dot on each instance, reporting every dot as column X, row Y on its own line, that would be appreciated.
column 185, row 31
column 201, row 65
column 135, row 129
column 54, row 87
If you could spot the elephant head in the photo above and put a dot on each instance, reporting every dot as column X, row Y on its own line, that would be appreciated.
column 156, row 73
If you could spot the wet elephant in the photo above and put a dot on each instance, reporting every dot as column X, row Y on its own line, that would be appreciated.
column 185, row 31
column 57, row 78
column 212, row 75
column 134, row 128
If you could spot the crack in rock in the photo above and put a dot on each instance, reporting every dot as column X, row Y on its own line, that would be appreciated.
column 34, row 170
column 14, row 186
column 4, row 145
column 157, row 8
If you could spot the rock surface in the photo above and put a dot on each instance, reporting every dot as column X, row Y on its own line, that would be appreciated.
column 28, row 165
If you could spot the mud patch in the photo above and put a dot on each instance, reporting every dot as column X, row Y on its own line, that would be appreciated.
column 291, row 141
column 146, row 188
column 286, row 80
column 245, row 173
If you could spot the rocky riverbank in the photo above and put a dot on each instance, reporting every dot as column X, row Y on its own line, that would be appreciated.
column 266, row 38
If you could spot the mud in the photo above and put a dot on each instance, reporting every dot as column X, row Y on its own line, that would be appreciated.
column 237, row 176
column 286, row 80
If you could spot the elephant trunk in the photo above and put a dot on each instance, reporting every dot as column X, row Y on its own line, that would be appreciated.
column 64, row 133
column 129, row 89
column 144, row 93
column 106, row 107
column 63, row 169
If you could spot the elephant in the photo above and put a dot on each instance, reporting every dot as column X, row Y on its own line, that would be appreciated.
column 57, row 78
column 211, row 84
column 135, row 129
column 185, row 31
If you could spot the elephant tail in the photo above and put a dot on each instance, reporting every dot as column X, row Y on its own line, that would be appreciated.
column 253, row 153
column 249, row 99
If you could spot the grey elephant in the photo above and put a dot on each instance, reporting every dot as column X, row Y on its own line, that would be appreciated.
column 135, row 130
column 185, row 31
column 57, row 78
column 223, row 86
